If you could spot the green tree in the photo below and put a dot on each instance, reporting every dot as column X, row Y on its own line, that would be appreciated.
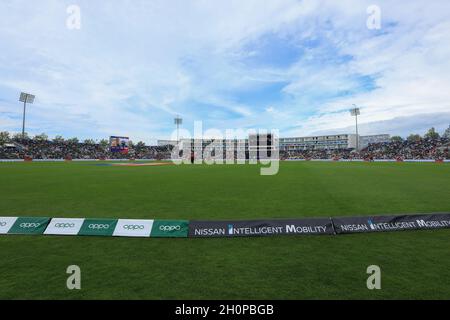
column 447, row 133
column 73, row 140
column 19, row 136
column 41, row 137
column 140, row 145
column 58, row 139
column 89, row 141
column 414, row 137
column 432, row 134
column 396, row 139
column 104, row 143
column 4, row 137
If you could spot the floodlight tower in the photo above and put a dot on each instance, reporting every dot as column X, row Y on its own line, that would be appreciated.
column 25, row 97
column 178, row 122
column 355, row 112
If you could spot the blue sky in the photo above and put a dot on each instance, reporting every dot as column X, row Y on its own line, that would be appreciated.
column 295, row 66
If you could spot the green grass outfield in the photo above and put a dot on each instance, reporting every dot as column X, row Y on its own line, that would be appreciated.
column 414, row 264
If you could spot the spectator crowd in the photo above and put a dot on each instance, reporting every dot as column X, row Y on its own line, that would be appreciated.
column 404, row 149
column 19, row 148
column 416, row 149
column 431, row 146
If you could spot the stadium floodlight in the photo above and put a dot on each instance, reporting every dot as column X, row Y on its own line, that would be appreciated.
column 25, row 98
column 355, row 112
column 178, row 122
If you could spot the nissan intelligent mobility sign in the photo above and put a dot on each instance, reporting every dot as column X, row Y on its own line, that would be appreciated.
column 391, row 223
column 260, row 227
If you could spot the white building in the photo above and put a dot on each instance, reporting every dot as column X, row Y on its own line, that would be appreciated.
column 326, row 142
column 337, row 141
column 162, row 143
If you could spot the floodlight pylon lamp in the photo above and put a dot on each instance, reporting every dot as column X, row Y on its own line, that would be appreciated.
column 178, row 121
column 355, row 112
column 26, row 97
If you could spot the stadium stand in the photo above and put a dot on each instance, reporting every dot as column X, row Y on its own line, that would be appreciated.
column 420, row 149
column 423, row 148
column 38, row 149
column 417, row 149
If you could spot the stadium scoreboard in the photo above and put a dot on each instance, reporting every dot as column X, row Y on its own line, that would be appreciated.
column 119, row 144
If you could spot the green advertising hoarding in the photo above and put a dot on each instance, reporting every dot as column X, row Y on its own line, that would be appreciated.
column 98, row 227
column 170, row 228
column 29, row 225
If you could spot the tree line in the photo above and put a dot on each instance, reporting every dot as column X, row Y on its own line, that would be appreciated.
column 6, row 137
column 431, row 134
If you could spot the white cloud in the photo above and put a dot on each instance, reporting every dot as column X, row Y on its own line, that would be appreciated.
column 409, row 65
column 136, row 64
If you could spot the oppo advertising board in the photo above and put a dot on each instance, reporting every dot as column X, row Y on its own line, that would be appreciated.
column 133, row 228
column 151, row 228
column 170, row 228
column 228, row 228
column 29, row 225
column 98, row 227
column 64, row 226
column 6, row 223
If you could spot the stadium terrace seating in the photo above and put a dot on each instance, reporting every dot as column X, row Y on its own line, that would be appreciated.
column 417, row 149
column 424, row 148
column 38, row 149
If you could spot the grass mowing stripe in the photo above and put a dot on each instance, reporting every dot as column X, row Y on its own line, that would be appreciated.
column 413, row 263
